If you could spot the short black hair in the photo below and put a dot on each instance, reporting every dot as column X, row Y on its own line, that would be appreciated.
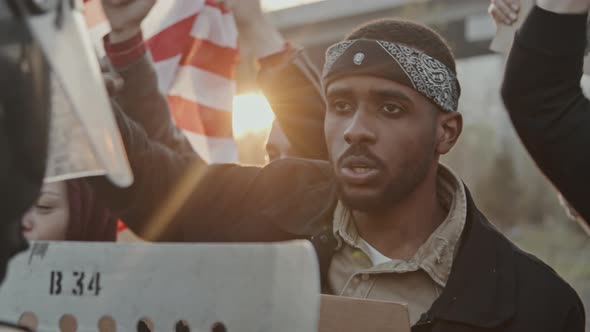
column 411, row 34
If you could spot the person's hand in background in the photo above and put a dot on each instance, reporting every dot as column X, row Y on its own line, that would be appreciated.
column 125, row 17
column 255, row 28
column 504, row 11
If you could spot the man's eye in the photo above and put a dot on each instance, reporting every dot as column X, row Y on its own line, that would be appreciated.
column 392, row 109
column 341, row 106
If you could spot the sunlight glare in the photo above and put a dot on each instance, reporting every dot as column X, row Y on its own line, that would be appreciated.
column 251, row 113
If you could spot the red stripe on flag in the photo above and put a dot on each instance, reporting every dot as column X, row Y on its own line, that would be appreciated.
column 173, row 40
column 121, row 226
column 200, row 119
column 212, row 58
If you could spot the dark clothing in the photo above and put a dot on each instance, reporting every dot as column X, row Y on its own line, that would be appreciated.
column 542, row 93
column 299, row 106
column 24, row 131
column 493, row 285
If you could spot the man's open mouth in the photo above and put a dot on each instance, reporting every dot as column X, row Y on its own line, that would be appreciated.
column 358, row 170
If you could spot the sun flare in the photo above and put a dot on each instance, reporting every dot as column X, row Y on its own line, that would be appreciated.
column 251, row 113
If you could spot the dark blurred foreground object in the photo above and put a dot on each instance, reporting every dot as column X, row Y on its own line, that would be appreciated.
column 24, row 122
column 36, row 42
column 542, row 93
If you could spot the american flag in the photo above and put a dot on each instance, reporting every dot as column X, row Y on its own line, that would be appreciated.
column 194, row 45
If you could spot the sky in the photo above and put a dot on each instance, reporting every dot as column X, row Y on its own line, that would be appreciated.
column 270, row 5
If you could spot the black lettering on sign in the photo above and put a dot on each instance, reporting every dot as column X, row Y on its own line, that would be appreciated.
column 79, row 290
column 55, row 285
column 79, row 282
column 95, row 284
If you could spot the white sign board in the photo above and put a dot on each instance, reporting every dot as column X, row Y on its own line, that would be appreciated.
column 242, row 287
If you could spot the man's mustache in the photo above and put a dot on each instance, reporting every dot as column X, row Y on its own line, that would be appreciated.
column 360, row 150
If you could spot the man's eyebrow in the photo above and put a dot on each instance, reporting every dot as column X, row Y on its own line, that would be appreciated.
column 393, row 94
column 339, row 92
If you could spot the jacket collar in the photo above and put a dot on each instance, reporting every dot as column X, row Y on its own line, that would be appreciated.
column 481, row 289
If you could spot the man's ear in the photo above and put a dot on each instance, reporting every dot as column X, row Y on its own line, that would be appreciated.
column 449, row 128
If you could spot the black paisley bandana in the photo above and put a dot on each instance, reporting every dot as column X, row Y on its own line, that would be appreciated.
column 395, row 62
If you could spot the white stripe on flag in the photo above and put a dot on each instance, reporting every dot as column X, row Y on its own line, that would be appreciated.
column 204, row 88
column 213, row 150
column 166, row 71
column 216, row 27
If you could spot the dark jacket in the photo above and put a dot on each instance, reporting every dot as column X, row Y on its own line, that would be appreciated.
column 542, row 93
column 493, row 285
column 300, row 109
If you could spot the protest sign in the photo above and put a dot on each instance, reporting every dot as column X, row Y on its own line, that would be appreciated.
column 345, row 314
column 230, row 287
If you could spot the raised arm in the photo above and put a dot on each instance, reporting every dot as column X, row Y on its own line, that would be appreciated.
column 288, row 79
column 542, row 93
column 139, row 97
column 292, row 88
column 177, row 197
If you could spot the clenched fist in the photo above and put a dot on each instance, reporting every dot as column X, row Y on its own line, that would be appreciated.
column 125, row 16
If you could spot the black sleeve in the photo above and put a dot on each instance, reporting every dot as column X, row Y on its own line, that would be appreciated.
column 156, row 169
column 174, row 193
column 294, row 93
column 542, row 93
column 177, row 197
column 576, row 318
column 142, row 101
column 168, row 173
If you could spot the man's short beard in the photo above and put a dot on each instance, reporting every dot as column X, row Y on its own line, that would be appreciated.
column 396, row 190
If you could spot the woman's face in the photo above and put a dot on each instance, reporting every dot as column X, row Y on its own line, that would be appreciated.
column 48, row 219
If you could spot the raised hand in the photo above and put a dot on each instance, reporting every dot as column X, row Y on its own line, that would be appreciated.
column 125, row 16
column 504, row 11
column 255, row 28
